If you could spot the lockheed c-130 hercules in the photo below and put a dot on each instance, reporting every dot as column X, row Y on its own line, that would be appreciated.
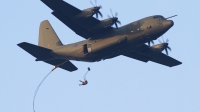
column 102, row 40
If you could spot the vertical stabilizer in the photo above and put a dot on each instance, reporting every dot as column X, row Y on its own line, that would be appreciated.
column 48, row 37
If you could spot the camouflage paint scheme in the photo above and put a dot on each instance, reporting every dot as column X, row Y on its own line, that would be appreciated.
column 102, row 40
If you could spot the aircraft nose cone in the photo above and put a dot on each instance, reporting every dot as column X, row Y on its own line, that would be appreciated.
column 168, row 24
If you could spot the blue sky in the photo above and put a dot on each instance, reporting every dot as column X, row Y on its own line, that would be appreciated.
column 115, row 85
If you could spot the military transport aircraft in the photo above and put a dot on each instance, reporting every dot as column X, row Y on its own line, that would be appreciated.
column 102, row 40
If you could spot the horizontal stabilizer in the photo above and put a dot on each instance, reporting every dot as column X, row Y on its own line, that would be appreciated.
column 36, row 51
column 66, row 66
column 43, row 54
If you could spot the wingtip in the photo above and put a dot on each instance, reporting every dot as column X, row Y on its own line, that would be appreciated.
column 19, row 44
column 74, row 70
column 176, row 64
column 22, row 43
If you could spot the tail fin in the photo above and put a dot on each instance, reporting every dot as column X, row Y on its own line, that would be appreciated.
column 48, row 37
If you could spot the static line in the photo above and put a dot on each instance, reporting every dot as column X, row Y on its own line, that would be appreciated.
column 47, row 76
column 38, row 89
column 86, row 73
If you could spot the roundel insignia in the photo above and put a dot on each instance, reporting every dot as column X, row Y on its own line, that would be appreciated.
column 75, row 45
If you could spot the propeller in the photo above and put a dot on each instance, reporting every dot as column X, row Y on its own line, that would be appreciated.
column 115, row 19
column 166, row 47
column 171, row 16
column 149, row 42
column 96, row 9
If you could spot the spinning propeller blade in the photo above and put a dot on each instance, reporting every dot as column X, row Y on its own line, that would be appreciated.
column 149, row 42
column 167, row 45
column 96, row 9
column 114, row 18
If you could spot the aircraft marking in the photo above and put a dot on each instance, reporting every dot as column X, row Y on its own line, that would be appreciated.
column 75, row 45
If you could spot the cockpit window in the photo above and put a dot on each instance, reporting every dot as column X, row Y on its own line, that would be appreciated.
column 161, row 17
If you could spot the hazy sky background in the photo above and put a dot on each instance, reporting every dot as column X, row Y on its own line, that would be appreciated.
column 120, row 84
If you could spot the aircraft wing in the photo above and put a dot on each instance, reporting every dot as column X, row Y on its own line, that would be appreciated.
column 137, row 56
column 160, row 58
column 164, row 60
column 66, row 12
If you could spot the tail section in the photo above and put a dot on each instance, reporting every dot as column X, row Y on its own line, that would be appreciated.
column 48, row 40
column 44, row 54
column 48, row 37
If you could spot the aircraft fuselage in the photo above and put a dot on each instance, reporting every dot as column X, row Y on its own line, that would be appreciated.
column 116, row 41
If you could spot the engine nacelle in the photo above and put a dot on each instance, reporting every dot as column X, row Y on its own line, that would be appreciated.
column 158, row 48
column 86, row 13
column 104, row 24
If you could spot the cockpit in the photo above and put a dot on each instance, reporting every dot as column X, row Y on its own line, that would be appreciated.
column 157, row 16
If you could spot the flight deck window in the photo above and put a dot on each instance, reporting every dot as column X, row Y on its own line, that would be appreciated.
column 161, row 17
